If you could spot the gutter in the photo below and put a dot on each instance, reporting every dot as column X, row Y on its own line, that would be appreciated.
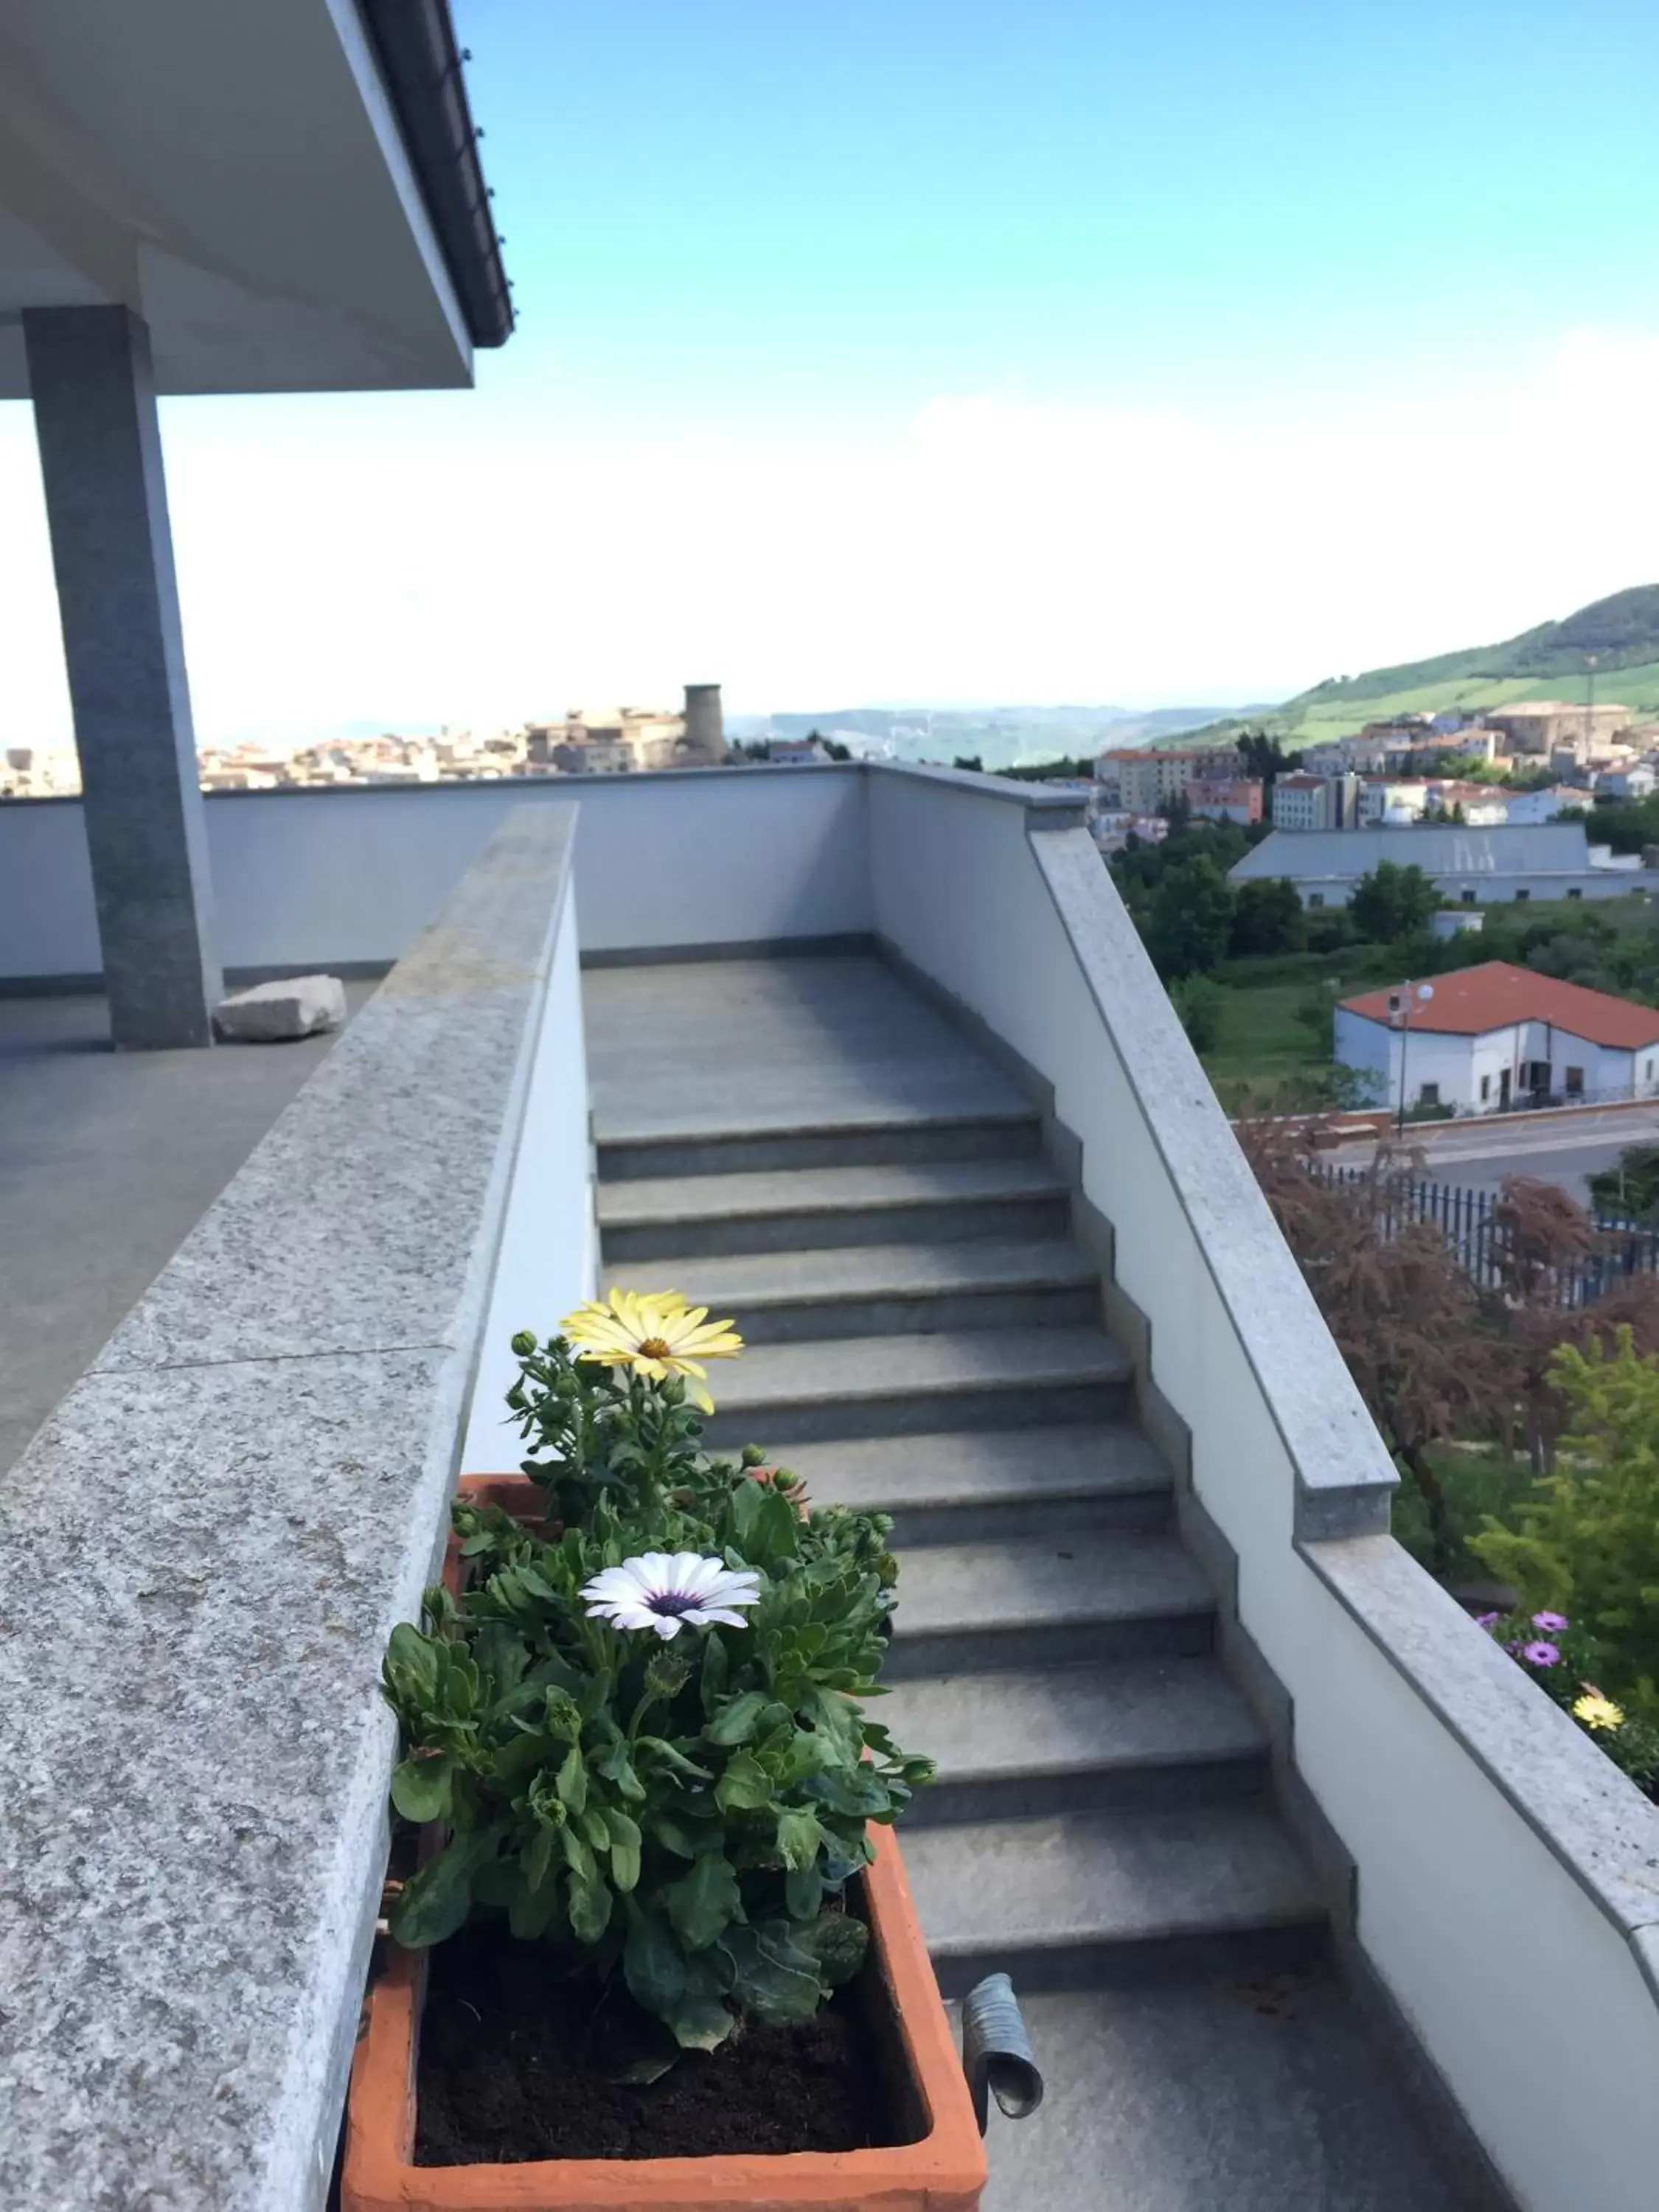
column 414, row 41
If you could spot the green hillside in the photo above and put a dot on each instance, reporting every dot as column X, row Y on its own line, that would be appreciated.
column 1550, row 662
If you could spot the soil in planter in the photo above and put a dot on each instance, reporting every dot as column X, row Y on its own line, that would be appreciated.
column 504, row 2075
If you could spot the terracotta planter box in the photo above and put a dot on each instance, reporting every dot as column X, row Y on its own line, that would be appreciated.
column 941, row 2170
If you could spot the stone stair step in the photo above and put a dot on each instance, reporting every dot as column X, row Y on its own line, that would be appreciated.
column 883, row 1290
column 1082, row 1900
column 1026, row 1741
column 802, row 1209
column 860, row 1386
column 990, row 1484
column 764, row 1145
column 1046, row 1602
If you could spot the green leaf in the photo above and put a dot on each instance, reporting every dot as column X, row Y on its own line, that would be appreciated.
column 798, row 1837
column 744, row 1786
column 435, row 1903
column 685, row 1838
column 616, row 1765
column 856, row 1793
column 530, row 1910
column 413, row 1655
column 538, row 1859
column 712, row 1687
column 699, row 2019
column 803, row 1893
column 590, row 1907
column 736, row 1720
column 421, row 1789
column 625, row 1842
column 573, row 1781
column 652, row 1964
column 702, row 1903
column 838, row 1941
column 596, row 1828
column 772, row 1977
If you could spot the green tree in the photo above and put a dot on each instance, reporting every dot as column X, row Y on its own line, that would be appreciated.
column 1588, row 1546
column 1268, row 917
column 1199, row 1000
column 1261, row 755
column 1392, row 901
column 1629, row 1192
column 1191, row 919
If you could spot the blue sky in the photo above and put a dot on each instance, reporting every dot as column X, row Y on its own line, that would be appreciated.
column 1034, row 351
column 856, row 207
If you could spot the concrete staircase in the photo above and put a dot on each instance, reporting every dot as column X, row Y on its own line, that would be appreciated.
column 817, row 1154
column 926, row 1338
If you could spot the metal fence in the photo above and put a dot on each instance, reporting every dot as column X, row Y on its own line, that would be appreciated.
column 1467, row 1221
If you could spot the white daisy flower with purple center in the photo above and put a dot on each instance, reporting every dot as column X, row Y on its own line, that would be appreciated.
column 668, row 1591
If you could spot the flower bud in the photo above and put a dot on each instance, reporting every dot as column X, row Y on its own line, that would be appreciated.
column 667, row 1673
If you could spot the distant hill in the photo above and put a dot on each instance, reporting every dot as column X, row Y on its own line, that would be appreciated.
column 1000, row 736
column 1549, row 662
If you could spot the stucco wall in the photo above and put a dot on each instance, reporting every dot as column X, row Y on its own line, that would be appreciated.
column 549, row 1256
column 314, row 878
column 1491, row 1839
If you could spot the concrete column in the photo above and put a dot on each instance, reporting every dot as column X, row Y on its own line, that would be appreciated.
column 100, row 458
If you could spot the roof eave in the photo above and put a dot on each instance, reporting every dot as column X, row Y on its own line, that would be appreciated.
column 415, row 43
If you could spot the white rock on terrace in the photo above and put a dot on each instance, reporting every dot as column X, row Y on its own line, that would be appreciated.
column 270, row 1011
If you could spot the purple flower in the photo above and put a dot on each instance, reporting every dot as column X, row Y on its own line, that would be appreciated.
column 1487, row 1620
column 1550, row 1623
column 1541, row 1655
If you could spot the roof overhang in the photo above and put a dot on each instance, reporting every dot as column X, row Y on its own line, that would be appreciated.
column 288, row 195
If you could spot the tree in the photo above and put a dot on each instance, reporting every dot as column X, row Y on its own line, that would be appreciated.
column 835, row 749
column 969, row 760
column 1589, row 1545
column 1406, row 1314
column 1629, row 1192
column 1268, row 917
column 1199, row 1000
column 1544, row 1249
column 1178, row 810
column 1263, row 756
column 1392, row 901
column 1191, row 919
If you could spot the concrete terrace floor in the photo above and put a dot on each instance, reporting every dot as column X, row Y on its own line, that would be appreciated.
column 107, row 1161
column 716, row 1045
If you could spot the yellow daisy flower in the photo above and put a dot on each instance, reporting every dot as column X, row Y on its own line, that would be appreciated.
column 657, row 1334
column 1598, row 1712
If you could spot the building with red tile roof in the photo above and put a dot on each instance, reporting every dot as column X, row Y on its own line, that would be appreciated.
column 1484, row 1038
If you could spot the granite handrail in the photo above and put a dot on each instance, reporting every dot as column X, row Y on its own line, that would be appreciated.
column 202, row 1554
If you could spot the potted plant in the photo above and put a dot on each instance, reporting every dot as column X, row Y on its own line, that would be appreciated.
column 659, row 1950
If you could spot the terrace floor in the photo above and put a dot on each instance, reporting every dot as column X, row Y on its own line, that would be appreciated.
column 107, row 1161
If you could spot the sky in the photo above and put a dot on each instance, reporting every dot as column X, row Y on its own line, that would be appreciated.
column 899, row 351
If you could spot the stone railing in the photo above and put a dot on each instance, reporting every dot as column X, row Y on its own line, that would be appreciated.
column 202, row 1555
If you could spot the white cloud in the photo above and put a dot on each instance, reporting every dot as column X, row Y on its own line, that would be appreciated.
column 460, row 557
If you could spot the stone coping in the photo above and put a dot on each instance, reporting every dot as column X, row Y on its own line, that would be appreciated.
column 1032, row 796
column 202, row 1555
column 1344, row 1476
column 1589, row 1815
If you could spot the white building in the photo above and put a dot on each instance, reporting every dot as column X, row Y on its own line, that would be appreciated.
column 1554, row 802
column 1498, row 1036
column 1302, row 802
column 1469, row 867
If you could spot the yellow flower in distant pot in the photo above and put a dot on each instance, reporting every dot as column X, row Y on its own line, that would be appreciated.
column 656, row 1334
column 1598, row 1712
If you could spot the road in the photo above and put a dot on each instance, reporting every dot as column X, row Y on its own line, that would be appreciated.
column 1478, row 1154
